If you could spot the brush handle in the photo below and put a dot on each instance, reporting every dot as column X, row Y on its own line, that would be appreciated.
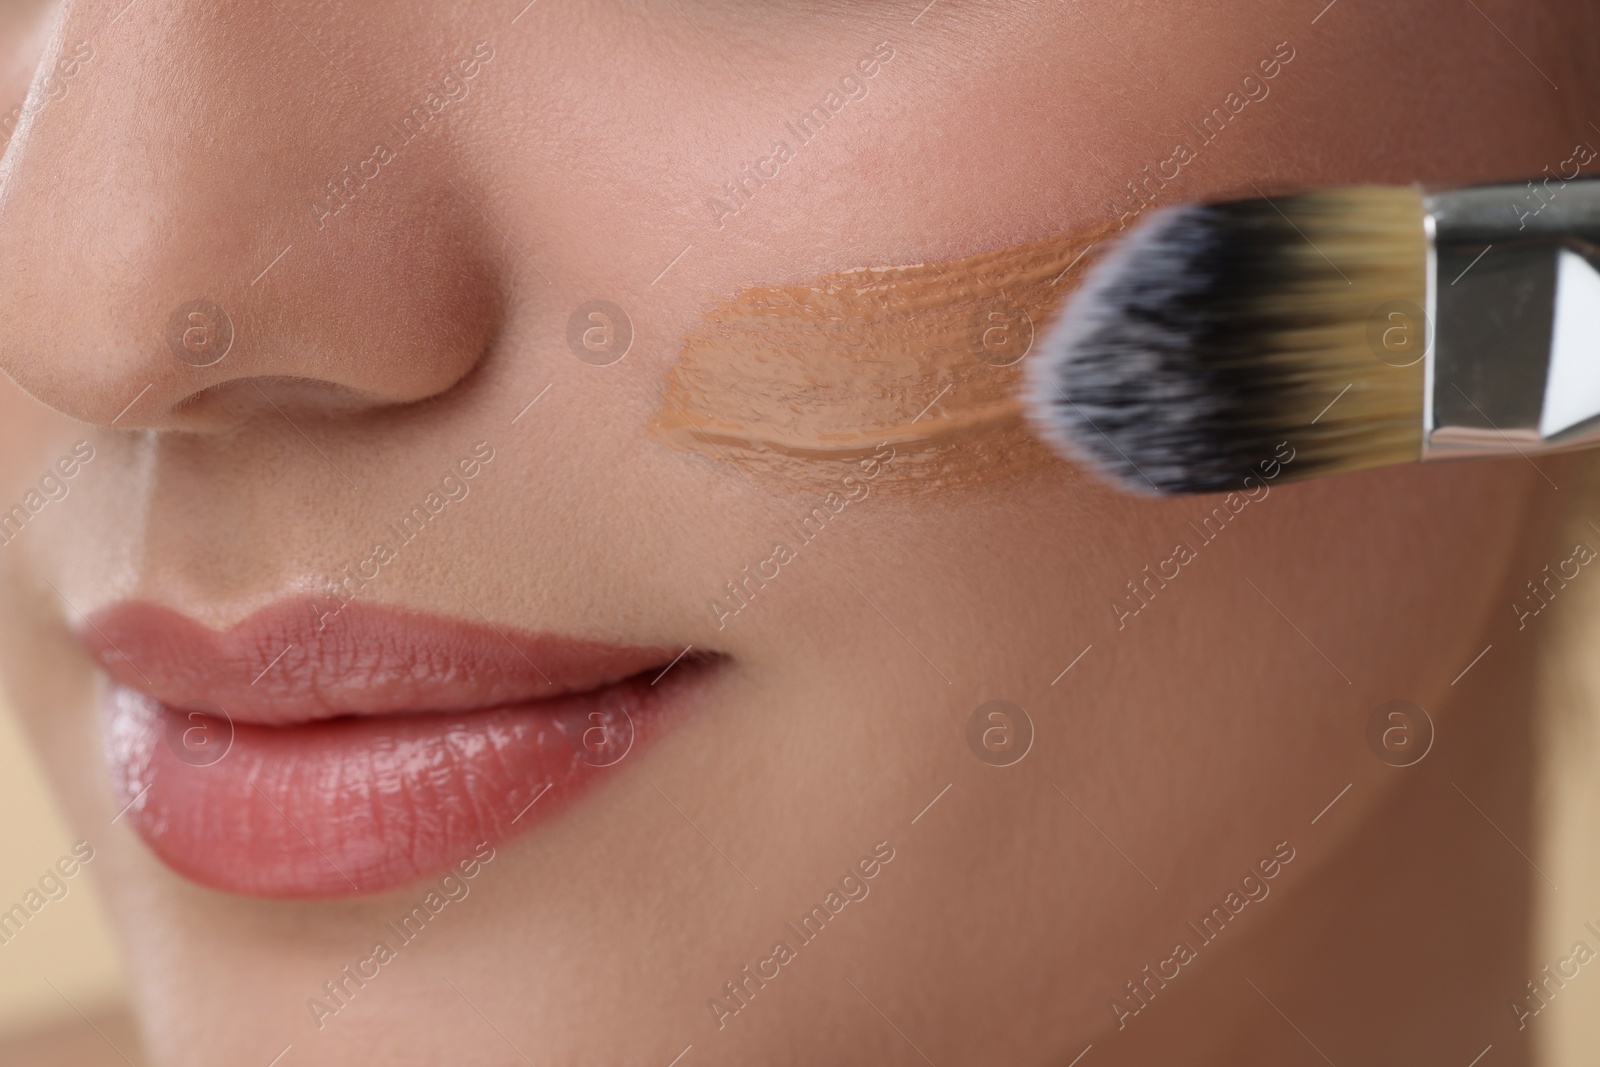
column 1514, row 301
column 1490, row 214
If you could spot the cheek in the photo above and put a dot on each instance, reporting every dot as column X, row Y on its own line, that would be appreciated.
column 1185, row 735
column 1248, row 681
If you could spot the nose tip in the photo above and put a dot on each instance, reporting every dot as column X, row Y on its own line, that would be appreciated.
column 166, row 245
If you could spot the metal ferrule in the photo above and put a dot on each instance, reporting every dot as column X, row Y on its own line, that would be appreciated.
column 1514, row 302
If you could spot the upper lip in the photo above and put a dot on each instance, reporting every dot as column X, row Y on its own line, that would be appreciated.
column 279, row 666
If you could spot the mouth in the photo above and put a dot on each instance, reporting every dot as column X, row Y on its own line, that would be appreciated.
column 299, row 755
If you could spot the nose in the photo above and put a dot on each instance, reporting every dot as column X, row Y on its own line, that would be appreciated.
column 208, row 206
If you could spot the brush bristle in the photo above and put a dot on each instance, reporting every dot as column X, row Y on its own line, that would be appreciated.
column 1214, row 333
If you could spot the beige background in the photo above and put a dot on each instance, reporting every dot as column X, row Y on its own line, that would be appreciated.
column 68, row 944
column 1567, row 1033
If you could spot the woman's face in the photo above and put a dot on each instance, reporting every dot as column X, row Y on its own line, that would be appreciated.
column 298, row 274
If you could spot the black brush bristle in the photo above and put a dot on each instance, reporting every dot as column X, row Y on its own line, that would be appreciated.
column 1201, row 343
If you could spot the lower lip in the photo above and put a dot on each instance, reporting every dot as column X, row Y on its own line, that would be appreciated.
column 359, row 805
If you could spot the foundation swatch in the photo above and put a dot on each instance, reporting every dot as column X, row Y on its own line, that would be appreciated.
column 926, row 357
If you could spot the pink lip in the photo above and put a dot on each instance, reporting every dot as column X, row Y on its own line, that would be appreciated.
column 363, row 755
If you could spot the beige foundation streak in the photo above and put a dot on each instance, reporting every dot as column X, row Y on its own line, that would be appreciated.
column 916, row 355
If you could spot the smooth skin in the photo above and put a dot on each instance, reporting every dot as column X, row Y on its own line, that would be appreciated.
column 185, row 156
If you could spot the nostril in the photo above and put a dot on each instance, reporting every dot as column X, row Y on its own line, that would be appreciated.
column 241, row 400
column 159, row 266
column 384, row 315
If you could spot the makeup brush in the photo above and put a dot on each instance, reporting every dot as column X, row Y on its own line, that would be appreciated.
column 1346, row 327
